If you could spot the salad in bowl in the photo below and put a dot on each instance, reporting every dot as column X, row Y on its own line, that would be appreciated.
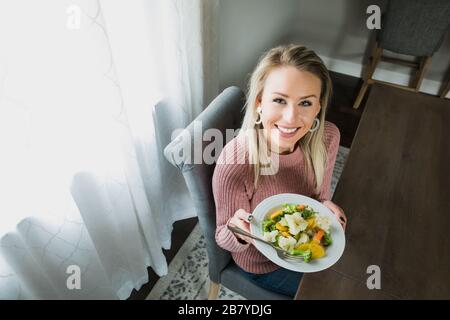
column 299, row 230
column 299, row 225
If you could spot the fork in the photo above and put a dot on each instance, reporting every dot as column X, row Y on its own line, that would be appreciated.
column 282, row 254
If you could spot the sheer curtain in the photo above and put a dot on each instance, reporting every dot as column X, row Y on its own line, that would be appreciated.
column 82, row 180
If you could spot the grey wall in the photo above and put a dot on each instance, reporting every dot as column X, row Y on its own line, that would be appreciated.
column 335, row 29
column 246, row 29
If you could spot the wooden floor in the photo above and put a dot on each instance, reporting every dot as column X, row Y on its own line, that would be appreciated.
column 340, row 112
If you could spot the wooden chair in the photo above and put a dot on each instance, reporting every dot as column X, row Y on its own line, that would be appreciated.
column 445, row 90
column 409, row 27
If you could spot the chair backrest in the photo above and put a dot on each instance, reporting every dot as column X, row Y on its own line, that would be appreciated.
column 224, row 112
column 414, row 27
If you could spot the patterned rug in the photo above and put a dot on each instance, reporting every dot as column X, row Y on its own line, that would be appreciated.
column 187, row 278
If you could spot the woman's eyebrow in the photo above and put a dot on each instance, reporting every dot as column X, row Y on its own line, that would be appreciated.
column 285, row 95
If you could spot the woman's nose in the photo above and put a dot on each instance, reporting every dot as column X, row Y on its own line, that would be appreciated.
column 290, row 113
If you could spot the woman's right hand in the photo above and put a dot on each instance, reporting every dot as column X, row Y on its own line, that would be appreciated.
column 240, row 220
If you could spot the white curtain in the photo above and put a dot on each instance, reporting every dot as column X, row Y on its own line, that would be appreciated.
column 82, row 179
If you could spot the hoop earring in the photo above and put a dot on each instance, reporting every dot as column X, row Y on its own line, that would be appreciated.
column 317, row 124
column 259, row 120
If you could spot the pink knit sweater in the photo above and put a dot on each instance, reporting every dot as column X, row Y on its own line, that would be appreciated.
column 233, row 189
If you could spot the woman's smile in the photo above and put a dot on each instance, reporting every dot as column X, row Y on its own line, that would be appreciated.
column 286, row 132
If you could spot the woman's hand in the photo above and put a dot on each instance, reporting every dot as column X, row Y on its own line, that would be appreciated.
column 338, row 212
column 240, row 220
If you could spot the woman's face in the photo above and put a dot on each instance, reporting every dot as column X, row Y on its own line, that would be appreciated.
column 289, row 104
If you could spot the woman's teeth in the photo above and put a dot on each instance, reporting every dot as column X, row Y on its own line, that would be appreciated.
column 287, row 130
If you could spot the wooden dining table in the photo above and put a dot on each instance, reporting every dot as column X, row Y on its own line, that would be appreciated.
column 395, row 191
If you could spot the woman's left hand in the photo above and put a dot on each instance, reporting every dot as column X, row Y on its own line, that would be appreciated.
column 338, row 212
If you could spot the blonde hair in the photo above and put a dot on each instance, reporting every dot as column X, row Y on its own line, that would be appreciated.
column 312, row 144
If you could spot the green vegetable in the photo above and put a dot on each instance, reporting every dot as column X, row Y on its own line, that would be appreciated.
column 289, row 208
column 276, row 240
column 326, row 240
column 305, row 254
column 292, row 208
column 277, row 219
column 306, row 213
column 267, row 224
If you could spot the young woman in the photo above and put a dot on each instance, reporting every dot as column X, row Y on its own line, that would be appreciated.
column 284, row 121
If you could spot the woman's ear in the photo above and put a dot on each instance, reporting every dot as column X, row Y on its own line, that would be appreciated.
column 258, row 101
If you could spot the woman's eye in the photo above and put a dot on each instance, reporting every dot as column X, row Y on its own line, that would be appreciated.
column 306, row 103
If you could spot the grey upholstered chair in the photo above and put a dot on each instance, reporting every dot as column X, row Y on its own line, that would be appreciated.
column 409, row 27
column 225, row 112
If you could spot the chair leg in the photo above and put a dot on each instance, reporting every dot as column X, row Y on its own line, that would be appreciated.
column 376, row 56
column 373, row 64
column 213, row 290
column 445, row 90
column 361, row 94
column 424, row 63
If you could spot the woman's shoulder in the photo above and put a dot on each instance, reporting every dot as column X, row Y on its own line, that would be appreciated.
column 332, row 136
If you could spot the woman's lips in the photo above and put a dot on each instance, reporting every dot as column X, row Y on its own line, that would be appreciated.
column 286, row 132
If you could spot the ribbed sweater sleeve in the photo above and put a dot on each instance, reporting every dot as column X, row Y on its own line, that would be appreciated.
column 332, row 138
column 228, row 184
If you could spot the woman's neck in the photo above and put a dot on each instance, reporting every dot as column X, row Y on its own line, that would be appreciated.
column 284, row 151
